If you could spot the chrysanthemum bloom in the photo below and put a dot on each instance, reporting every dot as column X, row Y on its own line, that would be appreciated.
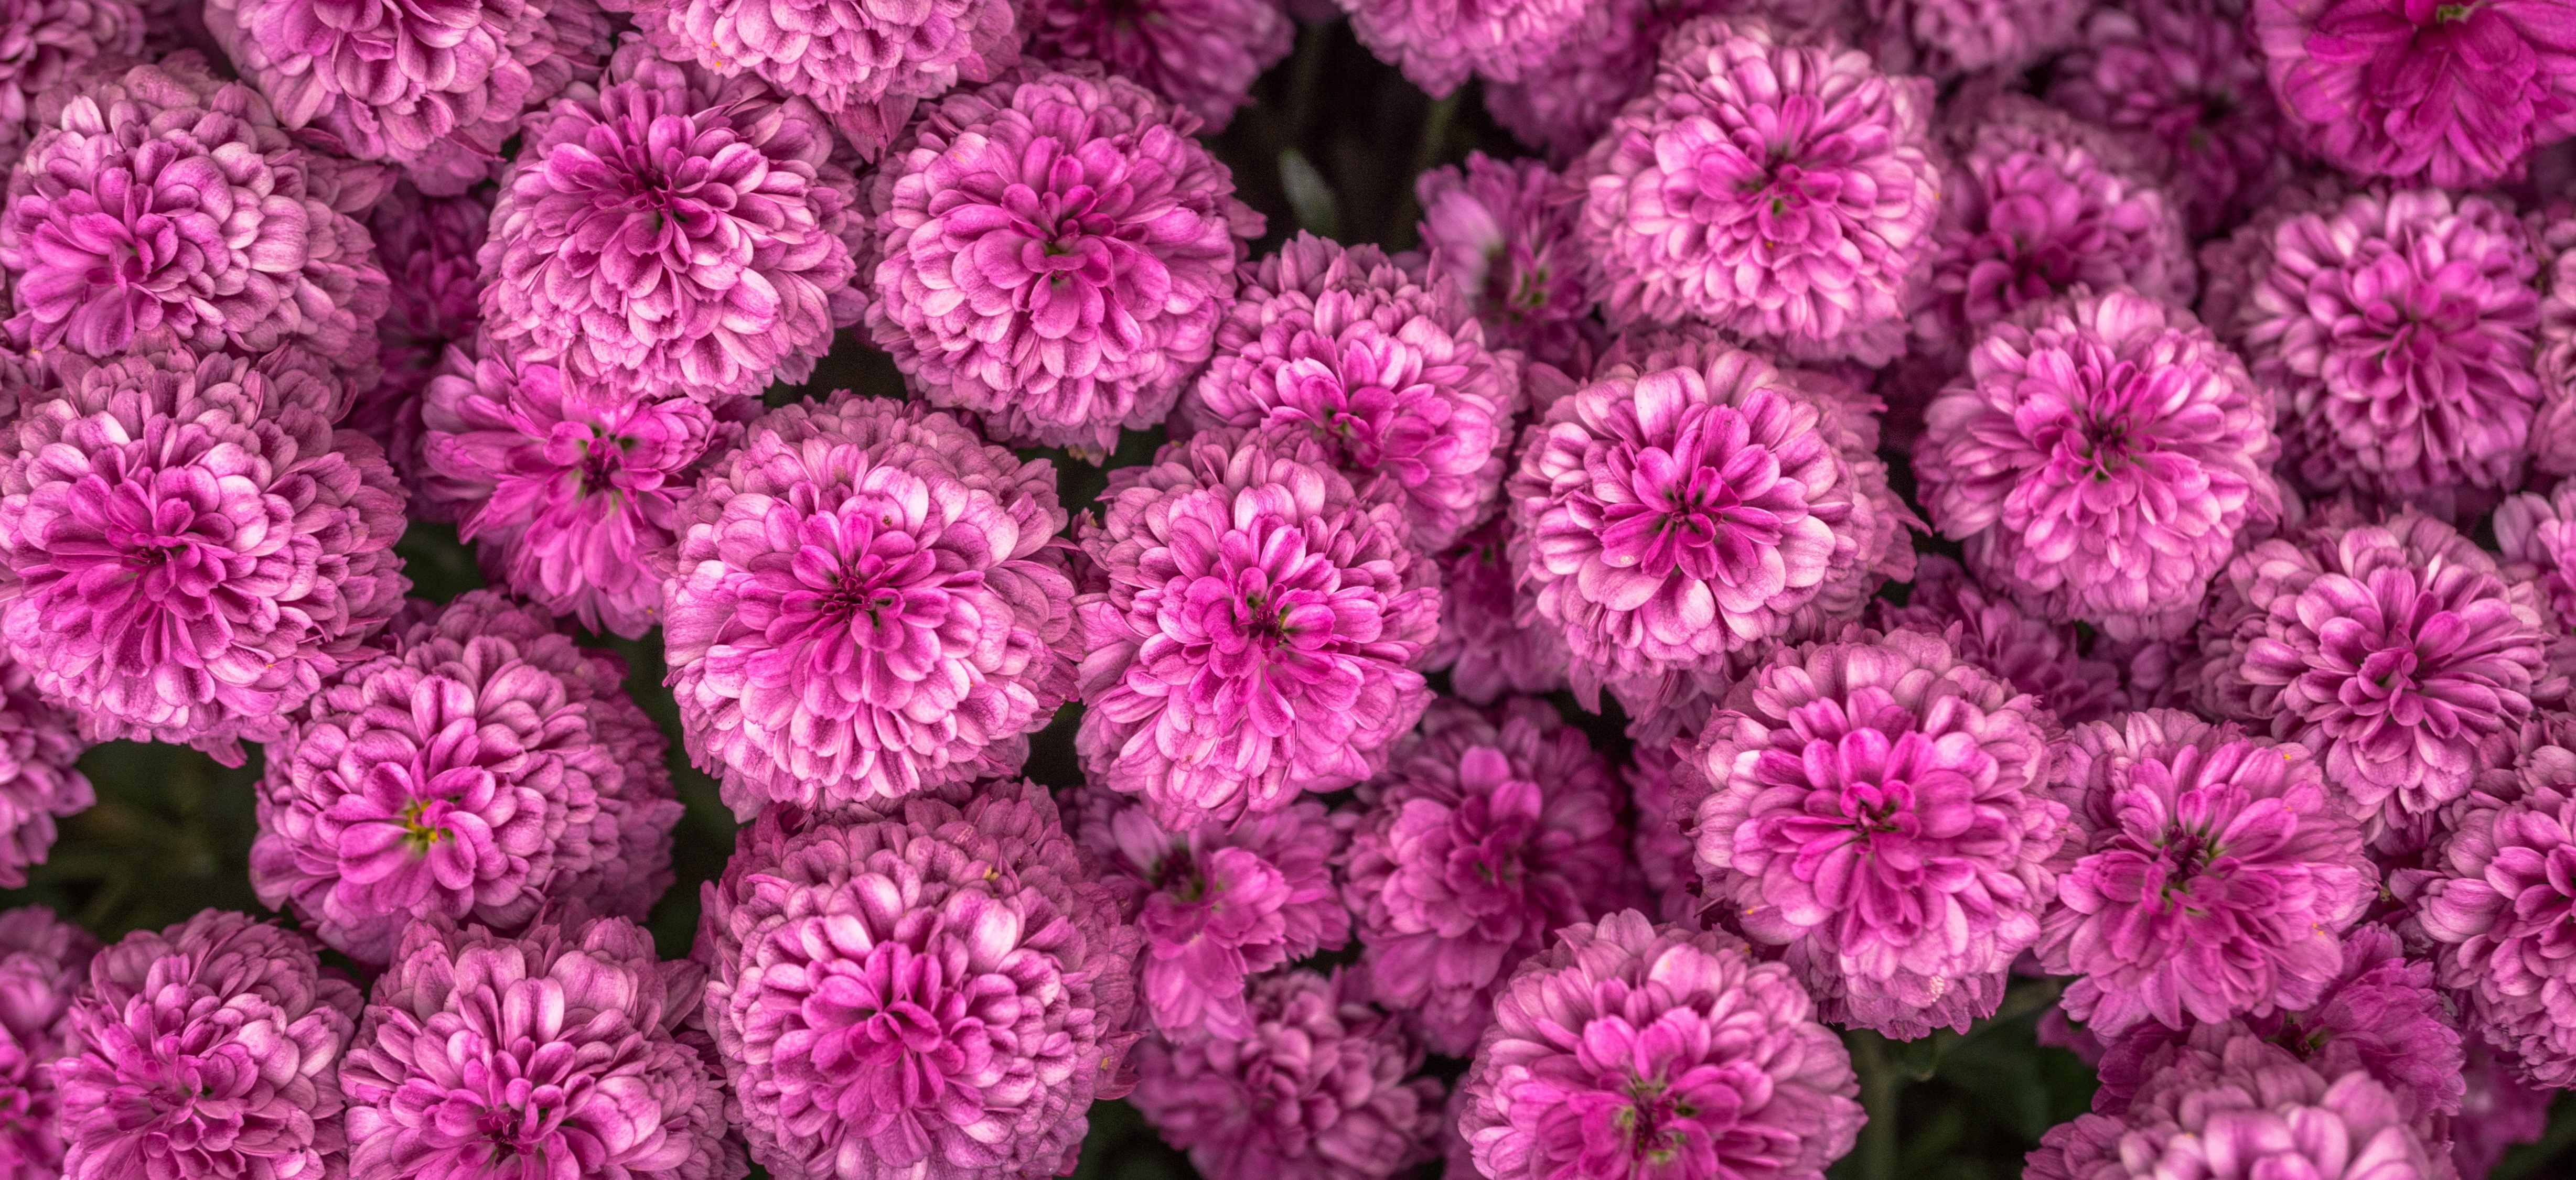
column 1945, row 38
column 549, row 1054
column 2498, row 1113
column 1485, row 833
column 1338, row 352
column 672, row 230
column 1440, row 43
column 2537, row 536
column 1504, row 234
column 1626, row 1050
column 2457, row 94
column 2398, row 325
column 485, row 768
column 428, row 246
column 2501, row 905
column 434, row 90
column 2392, row 649
column 2553, row 428
column 42, row 962
column 1661, row 850
column 1563, row 102
column 868, row 600
column 981, row 925
column 210, row 1049
column 2099, row 459
column 2234, row 267
column 188, row 549
column 1490, row 640
column 1777, row 190
column 2178, row 83
column 1316, row 1091
column 2048, row 660
column 1203, row 55
column 2207, row 875
column 164, row 198
column 573, row 492
column 1219, row 907
column 45, row 43
column 1057, row 254
column 39, row 741
column 1251, row 633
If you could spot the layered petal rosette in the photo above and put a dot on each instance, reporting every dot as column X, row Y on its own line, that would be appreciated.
column 1203, row 55
column 50, row 42
column 43, row 961
column 2500, row 904
column 1490, row 642
column 1503, row 232
column 2177, row 82
column 39, row 783
column 1440, row 43
column 2458, row 94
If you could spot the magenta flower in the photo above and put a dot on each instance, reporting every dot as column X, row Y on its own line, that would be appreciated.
column 164, row 198
column 1315, row 1091
column 2457, row 94
column 937, row 991
column 435, row 88
column 1659, row 847
column 1339, row 352
column 47, row 44
column 2501, row 904
column 1564, row 101
column 1250, row 632
column 1485, row 833
column 2050, row 661
column 241, row 1011
column 1625, row 1049
column 1945, row 38
column 2537, row 536
column 2498, row 1113
column 428, row 245
column 483, row 769
column 1775, row 189
column 2553, row 427
column 1490, row 640
column 2179, row 84
column 2398, row 327
column 1217, row 908
column 1502, row 232
column 2100, row 458
column 1439, row 43
column 672, row 230
column 39, row 741
column 1057, row 253
column 572, row 491
column 544, row 1055
column 42, row 962
column 869, row 600
column 1203, row 55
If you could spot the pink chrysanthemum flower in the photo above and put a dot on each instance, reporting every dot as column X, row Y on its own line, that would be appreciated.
column 1250, row 632
column 164, row 198
column 1484, row 835
column 1563, row 102
column 550, row 1054
column 1628, row 1050
column 2206, row 876
column 2100, row 458
column 42, row 962
column 1217, row 908
column 2498, row 1113
column 46, row 43
column 2178, row 83
column 1338, row 354
column 1503, row 232
column 1659, row 847
column 572, row 491
column 428, row 245
column 2537, row 536
column 1777, row 190
column 672, row 230
column 2048, row 660
column 2395, row 650
column 2398, row 326
column 2457, row 94
column 1203, row 55
column 485, row 768
column 434, row 88
column 242, row 1012
column 1315, row 1091
column 2553, row 427
column 1057, row 252
column 1491, row 642
column 188, row 547
column 981, row 924
column 868, row 600
column 1946, row 38
column 39, row 741
column 1439, row 43
column 2501, row 904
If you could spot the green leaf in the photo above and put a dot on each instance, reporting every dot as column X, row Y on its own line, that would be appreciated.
column 1317, row 209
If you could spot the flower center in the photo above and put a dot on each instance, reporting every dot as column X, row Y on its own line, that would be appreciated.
column 1647, row 1121
column 424, row 823
column 2451, row 13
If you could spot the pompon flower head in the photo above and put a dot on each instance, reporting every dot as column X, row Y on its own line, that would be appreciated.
column 428, row 245
column 868, row 600
column 2398, row 326
column 1485, row 834
column 2178, row 83
column 2393, row 648
column 552, row 1053
column 1503, row 232
column 42, row 962
column 1777, row 190
column 1566, row 100
column 2500, row 902
column 49, row 43
column 1440, row 43
column 2456, row 94
column 436, row 91
column 1316, row 1091
column 240, row 1009
column 1628, row 1049
column 2100, row 458
column 39, row 742
column 1490, row 642
column 2206, row 876
column 982, row 918
column 485, row 768
column 188, row 549
column 2536, row 535
column 1217, row 908
column 2048, row 660
column 1336, row 353
column 1946, row 38
column 1250, row 628
column 2553, row 427
column 1203, row 55
column 672, row 229
column 164, row 198
column 572, row 491
column 1057, row 252
column 2497, row 1114
column 1659, row 847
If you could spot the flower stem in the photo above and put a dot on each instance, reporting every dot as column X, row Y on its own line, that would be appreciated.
column 1877, row 1156
column 1400, row 232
